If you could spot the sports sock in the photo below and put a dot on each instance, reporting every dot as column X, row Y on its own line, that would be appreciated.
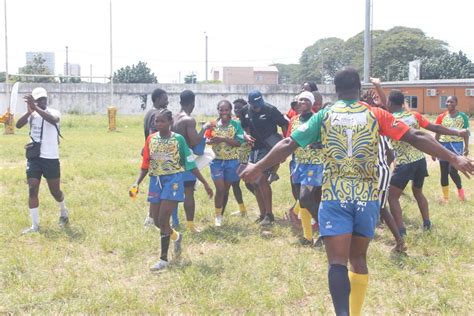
column 218, row 211
column 306, row 224
column 445, row 192
column 297, row 208
column 359, row 284
column 242, row 208
column 63, row 208
column 165, row 244
column 190, row 225
column 34, row 214
column 174, row 235
column 461, row 194
column 340, row 288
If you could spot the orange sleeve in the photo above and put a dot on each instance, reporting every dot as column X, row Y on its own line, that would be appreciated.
column 290, row 126
column 389, row 126
column 146, row 154
column 440, row 118
column 208, row 133
column 421, row 119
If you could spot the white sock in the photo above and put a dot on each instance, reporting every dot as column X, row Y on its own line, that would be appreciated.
column 63, row 208
column 34, row 213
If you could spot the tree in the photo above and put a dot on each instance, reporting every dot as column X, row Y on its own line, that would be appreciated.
column 191, row 78
column 320, row 61
column 447, row 66
column 3, row 76
column 36, row 67
column 139, row 73
column 288, row 74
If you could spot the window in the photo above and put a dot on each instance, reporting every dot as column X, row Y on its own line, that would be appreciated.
column 412, row 101
column 442, row 101
column 258, row 77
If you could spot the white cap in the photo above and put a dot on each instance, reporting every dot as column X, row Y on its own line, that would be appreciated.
column 306, row 95
column 39, row 93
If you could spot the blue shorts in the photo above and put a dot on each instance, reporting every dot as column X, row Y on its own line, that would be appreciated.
column 188, row 176
column 292, row 167
column 224, row 170
column 308, row 174
column 199, row 148
column 346, row 217
column 455, row 147
column 166, row 187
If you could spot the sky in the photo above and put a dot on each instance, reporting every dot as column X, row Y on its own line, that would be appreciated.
column 169, row 35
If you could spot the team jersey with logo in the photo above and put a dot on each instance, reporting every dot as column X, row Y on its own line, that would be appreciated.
column 163, row 156
column 311, row 154
column 232, row 130
column 457, row 122
column 404, row 152
column 349, row 132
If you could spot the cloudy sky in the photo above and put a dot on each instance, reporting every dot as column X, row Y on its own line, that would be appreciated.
column 170, row 34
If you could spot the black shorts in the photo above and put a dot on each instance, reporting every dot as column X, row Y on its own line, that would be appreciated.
column 48, row 168
column 414, row 171
column 257, row 154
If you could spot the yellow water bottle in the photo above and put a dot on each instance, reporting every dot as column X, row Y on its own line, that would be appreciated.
column 133, row 192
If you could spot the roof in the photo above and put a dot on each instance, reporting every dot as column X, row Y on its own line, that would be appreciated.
column 265, row 69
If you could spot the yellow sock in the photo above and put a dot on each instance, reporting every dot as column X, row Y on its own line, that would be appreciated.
column 218, row 211
column 359, row 284
column 189, row 225
column 242, row 208
column 174, row 235
column 445, row 191
column 306, row 224
column 297, row 208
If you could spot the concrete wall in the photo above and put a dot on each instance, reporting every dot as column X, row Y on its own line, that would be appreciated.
column 94, row 98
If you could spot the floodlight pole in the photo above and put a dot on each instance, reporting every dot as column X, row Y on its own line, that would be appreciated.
column 206, row 54
column 7, row 90
column 111, row 68
column 367, row 44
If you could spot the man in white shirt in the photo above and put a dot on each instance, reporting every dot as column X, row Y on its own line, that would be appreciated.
column 44, row 129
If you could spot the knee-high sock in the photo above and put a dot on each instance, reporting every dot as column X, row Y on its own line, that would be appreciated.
column 445, row 191
column 306, row 224
column 296, row 208
column 359, row 283
column 165, row 244
column 340, row 288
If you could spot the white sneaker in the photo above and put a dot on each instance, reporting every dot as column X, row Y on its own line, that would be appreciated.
column 148, row 222
column 218, row 221
column 29, row 230
column 160, row 265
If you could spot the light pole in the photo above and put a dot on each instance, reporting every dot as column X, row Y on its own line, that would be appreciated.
column 67, row 62
column 206, row 53
column 367, row 43
column 6, row 54
column 111, row 68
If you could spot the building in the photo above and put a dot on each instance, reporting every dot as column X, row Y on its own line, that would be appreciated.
column 246, row 75
column 429, row 96
column 49, row 57
column 72, row 69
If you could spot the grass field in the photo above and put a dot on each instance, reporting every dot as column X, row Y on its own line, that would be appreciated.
column 100, row 263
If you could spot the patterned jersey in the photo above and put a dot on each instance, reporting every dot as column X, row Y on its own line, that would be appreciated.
column 232, row 130
column 349, row 132
column 311, row 154
column 404, row 152
column 458, row 122
column 163, row 156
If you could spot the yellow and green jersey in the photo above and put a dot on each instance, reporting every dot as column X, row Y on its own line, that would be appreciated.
column 311, row 154
column 458, row 122
column 350, row 133
column 232, row 130
column 164, row 156
column 404, row 152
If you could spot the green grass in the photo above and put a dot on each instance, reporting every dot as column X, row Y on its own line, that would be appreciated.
column 100, row 263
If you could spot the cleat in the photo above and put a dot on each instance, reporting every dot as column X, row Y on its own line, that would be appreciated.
column 318, row 243
column 160, row 265
column 305, row 242
column 63, row 221
column 148, row 222
column 267, row 220
column 29, row 230
column 218, row 221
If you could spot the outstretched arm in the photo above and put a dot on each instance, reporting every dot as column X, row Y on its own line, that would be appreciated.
column 282, row 149
column 440, row 129
column 427, row 144
column 378, row 88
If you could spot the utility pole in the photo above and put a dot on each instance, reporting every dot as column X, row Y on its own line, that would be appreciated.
column 67, row 63
column 367, row 42
column 206, row 54
column 90, row 70
column 111, row 68
column 7, row 91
